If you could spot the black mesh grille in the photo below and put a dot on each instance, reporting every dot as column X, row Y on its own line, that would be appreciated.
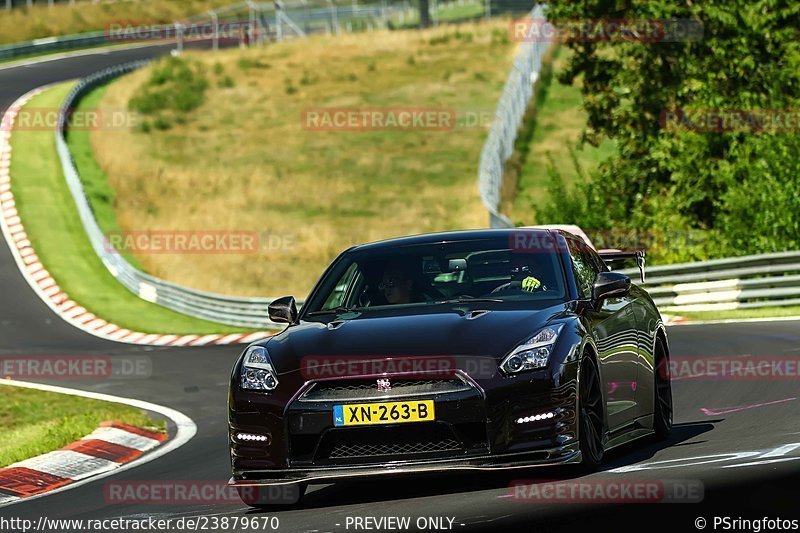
column 343, row 449
column 386, row 442
column 367, row 389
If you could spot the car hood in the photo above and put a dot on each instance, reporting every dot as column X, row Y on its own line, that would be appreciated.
column 491, row 329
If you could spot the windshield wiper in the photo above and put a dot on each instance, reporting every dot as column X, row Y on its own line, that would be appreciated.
column 335, row 310
column 469, row 299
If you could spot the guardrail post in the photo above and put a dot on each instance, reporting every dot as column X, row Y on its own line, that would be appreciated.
column 278, row 21
column 179, row 38
column 251, row 22
column 215, row 22
column 334, row 16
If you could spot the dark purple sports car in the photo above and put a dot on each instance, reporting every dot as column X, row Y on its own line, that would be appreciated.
column 479, row 350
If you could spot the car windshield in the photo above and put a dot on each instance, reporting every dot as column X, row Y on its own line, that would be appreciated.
column 433, row 274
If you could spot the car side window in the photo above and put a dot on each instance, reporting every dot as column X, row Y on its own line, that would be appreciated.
column 340, row 291
column 598, row 261
column 584, row 267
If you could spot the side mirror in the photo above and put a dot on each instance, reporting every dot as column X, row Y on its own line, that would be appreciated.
column 283, row 310
column 610, row 285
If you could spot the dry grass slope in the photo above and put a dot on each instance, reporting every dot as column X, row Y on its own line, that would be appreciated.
column 24, row 24
column 243, row 161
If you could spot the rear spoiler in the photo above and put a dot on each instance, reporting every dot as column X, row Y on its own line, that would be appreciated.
column 610, row 256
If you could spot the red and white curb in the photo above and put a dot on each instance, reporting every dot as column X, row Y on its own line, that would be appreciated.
column 673, row 320
column 46, row 287
column 109, row 449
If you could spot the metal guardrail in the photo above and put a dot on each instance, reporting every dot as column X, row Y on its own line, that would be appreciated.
column 54, row 44
column 765, row 280
column 244, row 312
column 499, row 145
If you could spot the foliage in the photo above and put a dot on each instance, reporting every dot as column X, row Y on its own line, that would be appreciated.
column 738, row 188
column 176, row 86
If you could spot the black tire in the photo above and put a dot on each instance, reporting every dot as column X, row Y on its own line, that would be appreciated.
column 662, row 394
column 274, row 498
column 591, row 415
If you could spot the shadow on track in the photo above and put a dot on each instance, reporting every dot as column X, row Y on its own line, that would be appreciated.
column 443, row 483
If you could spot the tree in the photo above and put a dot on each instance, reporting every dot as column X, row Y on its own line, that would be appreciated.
column 747, row 58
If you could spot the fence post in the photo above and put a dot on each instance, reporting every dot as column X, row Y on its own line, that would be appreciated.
column 334, row 16
column 179, row 38
column 278, row 21
column 215, row 22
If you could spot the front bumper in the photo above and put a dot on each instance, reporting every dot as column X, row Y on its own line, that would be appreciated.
column 478, row 427
column 290, row 476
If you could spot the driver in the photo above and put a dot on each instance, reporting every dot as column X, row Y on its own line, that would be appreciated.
column 396, row 285
column 528, row 283
column 522, row 279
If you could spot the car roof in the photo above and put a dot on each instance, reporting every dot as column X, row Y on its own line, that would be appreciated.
column 448, row 236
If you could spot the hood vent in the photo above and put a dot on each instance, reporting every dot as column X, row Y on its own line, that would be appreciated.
column 472, row 315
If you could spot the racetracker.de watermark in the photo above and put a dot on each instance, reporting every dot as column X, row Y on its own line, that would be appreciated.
column 194, row 492
column 197, row 241
column 639, row 30
column 735, row 368
column 48, row 118
column 378, row 118
column 606, row 491
column 531, row 241
column 141, row 30
column 434, row 119
column 400, row 367
column 730, row 120
column 95, row 367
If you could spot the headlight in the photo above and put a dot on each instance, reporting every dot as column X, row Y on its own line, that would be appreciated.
column 257, row 371
column 534, row 353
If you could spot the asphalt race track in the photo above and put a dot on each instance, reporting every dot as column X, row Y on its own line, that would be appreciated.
column 734, row 436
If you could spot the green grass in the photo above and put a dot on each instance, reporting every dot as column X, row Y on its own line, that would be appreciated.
column 459, row 12
column 56, row 233
column 735, row 314
column 443, row 14
column 36, row 422
column 559, row 120
column 95, row 182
